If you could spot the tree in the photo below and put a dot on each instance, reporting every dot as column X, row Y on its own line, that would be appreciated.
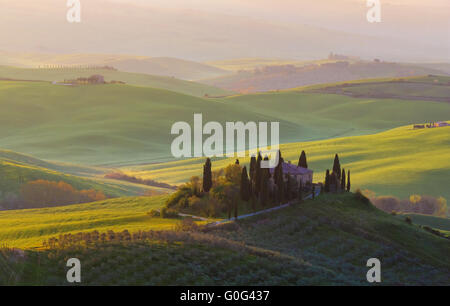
column 252, row 169
column 327, row 181
column 245, row 185
column 233, row 174
column 302, row 160
column 42, row 193
column 300, row 192
column 207, row 175
column 264, row 188
column 348, row 181
column 313, row 191
column 343, row 180
column 288, row 187
column 235, row 210
column 337, row 167
column 278, row 178
column 229, row 195
column 258, row 174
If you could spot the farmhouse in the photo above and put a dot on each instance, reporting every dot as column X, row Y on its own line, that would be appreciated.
column 96, row 79
column 442, row 124
column 300, row 174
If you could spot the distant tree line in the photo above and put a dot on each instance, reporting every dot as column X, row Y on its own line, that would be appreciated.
column 136, row 180
column 420, row 204
column 76, row 67
column 43, row 193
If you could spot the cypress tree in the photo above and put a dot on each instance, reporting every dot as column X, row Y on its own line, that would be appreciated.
column 264, row 189
column 280, row 185
column 245, row 185
column 288, row 188
column 313, row 191
column 235, row 210
column 348, row 181
column 327, row 181
column 300, row 192
column 343, row 180
column 302, row 160
column 258, row 174
column 337, row 167
column 207, row 176
column 252, row 168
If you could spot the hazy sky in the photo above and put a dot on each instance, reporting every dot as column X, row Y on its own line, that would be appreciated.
column 212, row 29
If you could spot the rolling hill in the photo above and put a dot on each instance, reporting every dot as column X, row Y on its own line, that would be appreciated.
column 161, row 66
column 431, row 88
column 30, row 227
column 397, row 162
column 124, row 124
column 17, row 169
column 240, row 64
column 281, row 77
column 138, row 79
column 438, row 223
column 326, row 241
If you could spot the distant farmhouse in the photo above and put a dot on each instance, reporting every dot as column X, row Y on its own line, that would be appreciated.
column 431, row 125
column 95, row 79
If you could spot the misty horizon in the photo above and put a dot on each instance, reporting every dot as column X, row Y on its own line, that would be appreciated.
column 202, row 31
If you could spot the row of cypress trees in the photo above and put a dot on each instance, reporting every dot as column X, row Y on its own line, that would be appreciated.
column 337, row 178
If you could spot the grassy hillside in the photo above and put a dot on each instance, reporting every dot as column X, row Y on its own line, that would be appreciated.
column 341, row 232
column 23, row 159
column 431, row 221
column 322, row 242
column 13, row 175
column 398, row 162
column 434, row 88
column 139, row 79
column 100, row 124
column 29, row 228
column 162, row 66
column 238, row 64
column 123, row 124
column 280, row 77
column 17, row 169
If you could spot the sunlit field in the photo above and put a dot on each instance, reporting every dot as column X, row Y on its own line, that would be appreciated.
column 398, row 162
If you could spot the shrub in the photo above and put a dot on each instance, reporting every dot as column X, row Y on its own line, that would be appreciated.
column 408, row 220
column 154, row 213
column 42, row 193
column 187, row 225
column 360, row 197
column 426, row 205
column 168, row 213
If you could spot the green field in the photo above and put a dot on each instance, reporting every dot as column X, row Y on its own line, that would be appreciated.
column 17, row 169
column 426, row 88
column 398, row 162
column 431, row 221
column 162, row 66
column 253, row 63
column 29, row 228
column 326, row 241
column 123, row 124
column 138, row 79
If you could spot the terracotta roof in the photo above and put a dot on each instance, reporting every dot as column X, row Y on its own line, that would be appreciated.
column 293, row 169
